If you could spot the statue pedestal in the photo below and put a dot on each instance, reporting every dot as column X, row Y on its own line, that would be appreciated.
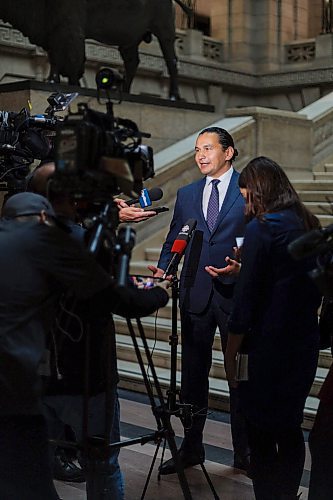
column 324, row 46
column 167, row 121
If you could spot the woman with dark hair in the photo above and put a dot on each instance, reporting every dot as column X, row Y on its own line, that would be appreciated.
column 274, row 325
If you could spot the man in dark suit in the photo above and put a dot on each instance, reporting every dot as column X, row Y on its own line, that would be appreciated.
column 205, row 298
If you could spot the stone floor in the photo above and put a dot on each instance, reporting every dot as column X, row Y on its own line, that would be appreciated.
column 137, row 420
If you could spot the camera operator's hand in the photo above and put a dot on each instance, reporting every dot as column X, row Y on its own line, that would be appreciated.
column 157, row 271
column 132, row 214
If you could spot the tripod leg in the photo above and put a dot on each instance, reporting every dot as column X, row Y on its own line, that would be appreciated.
column 162, row 458
column 150, row 470
column 209, row 481
column 163, row 416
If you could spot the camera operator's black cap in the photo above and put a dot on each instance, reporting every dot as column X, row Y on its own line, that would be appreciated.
column 21, row 204
column 26, row 203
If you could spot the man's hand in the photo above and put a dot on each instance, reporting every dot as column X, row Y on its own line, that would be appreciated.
column 132, row 214
column 157, row 271
column 231, row 269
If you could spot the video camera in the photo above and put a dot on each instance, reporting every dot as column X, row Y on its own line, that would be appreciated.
column 97, row 155
column 24, row 138
column 317, row 243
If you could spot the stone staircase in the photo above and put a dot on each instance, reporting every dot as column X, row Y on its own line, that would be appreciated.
column 317, row 194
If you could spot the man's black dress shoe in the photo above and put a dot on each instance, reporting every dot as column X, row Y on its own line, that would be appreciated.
column 187, row 460
column 66, row 470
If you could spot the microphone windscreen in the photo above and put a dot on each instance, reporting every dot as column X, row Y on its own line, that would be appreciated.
column 179, row 246
column 155, row 193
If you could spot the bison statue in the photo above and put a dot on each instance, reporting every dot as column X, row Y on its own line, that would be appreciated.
column 62, row 27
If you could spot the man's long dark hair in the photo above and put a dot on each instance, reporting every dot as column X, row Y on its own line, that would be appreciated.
column 269, row 190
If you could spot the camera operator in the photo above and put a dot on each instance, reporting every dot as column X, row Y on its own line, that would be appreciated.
column 63, row 402
column 38, row 261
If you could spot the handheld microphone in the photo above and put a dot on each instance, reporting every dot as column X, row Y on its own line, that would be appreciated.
column 179, row 246
column 146, row 197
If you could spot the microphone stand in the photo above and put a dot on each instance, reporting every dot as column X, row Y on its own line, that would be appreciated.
column 173, row 342
column 178, row 409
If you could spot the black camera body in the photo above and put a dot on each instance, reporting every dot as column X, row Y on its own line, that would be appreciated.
column 98, row 156
column 24, row 138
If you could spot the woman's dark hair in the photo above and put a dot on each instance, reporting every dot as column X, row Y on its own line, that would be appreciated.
column 269, row 190
column 225, row 138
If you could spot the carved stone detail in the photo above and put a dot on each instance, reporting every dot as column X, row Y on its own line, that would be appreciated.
column 300, row 52
column 12, row 37
column 179, row 42
column 213, row 49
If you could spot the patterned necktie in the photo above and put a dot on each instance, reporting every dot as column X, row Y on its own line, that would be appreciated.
column 213, row 206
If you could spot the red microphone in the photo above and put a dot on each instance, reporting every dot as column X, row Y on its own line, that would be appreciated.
column 179, row 246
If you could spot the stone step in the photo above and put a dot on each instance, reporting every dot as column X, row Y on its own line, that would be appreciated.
column 312, row 185
column 160, row 351
column 141, row 267
column 131, row 379
column 161, row 331
column 325, row 220
column 325, row 358
column 320, row 208
column 152, row 254
column 328, row 167
column 322, row 176
column 316, row 196
column 161, row 355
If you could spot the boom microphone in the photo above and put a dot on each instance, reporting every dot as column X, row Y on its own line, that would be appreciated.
column 146, row 197
column 179, row 246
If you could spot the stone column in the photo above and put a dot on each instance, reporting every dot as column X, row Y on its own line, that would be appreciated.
column 255, row 31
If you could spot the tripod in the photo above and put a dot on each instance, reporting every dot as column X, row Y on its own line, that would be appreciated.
column 178, row 409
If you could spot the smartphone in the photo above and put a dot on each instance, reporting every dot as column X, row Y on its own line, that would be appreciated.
column 242, row 361
column 158, row 210
column 144, row 282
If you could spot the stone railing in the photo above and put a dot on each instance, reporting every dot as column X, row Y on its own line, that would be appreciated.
column 298, row 52
column 193, row 43
column 320, row 115
column 213, row 49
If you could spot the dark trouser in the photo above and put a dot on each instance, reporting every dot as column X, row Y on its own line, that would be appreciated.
column 102, row 475
column 198, row 331
column 321, row 448
column 25, row 472
column 277, row 461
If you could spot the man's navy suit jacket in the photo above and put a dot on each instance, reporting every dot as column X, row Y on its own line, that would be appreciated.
column 206, row 248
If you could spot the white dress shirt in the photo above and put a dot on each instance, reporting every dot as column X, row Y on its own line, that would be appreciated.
column 222, row 187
